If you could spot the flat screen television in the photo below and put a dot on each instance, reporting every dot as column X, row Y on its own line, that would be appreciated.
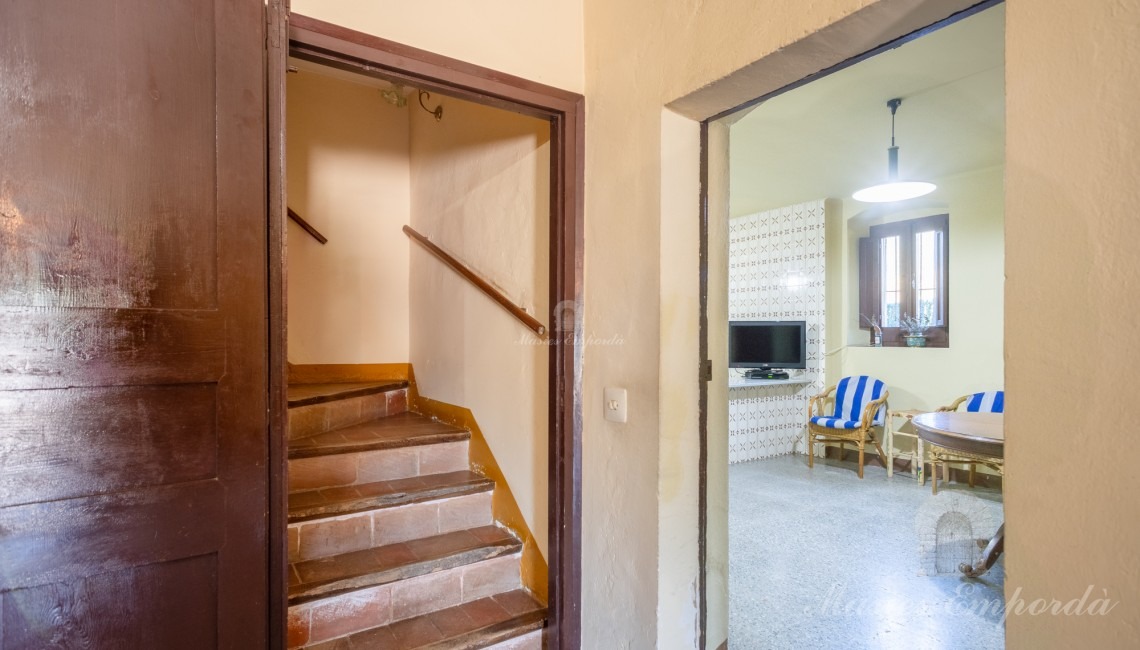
column 768, row 345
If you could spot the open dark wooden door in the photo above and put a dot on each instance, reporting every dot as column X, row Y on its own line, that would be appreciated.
column 133, row 438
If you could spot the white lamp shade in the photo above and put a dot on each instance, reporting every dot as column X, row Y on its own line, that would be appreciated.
column 895, row 191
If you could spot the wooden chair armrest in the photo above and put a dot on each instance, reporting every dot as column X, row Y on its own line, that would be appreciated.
column 817, row 402
column 953, row 406
column 868, row 419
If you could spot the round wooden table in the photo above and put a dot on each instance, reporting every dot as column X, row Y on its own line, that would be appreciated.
column 973, row 435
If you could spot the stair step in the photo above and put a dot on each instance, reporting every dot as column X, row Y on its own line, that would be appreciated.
column 332, row 576
column 476, row 624
column 308, row 394
column 391, row 432
column 315, row 504
column 318, row 408
column 334, row 535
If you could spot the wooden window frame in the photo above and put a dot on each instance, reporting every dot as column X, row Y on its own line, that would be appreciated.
column 870, row 272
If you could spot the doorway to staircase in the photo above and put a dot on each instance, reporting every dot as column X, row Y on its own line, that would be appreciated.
column 393, row 521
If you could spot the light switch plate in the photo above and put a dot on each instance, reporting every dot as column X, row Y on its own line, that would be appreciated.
column 614, row 404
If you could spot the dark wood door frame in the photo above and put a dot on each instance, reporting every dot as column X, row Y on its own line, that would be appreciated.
column 342, row 48
column 705, row 369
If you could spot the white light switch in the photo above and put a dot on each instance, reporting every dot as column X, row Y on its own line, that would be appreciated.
column 615, row 405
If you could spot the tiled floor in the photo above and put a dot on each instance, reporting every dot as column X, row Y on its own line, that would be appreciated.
column 820, row 559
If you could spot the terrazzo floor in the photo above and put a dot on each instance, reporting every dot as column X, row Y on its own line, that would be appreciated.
column 820, row 559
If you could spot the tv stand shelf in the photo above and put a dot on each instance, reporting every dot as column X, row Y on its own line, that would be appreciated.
column 741, row 382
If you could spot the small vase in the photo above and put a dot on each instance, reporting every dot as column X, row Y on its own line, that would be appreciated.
column 918, row 341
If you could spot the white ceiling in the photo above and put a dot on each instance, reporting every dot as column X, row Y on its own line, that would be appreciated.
column 830, row 137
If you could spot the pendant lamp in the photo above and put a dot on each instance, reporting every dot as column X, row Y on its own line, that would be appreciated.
column 893, row 189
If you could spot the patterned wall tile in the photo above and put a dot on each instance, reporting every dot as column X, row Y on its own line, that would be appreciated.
column 776, row 272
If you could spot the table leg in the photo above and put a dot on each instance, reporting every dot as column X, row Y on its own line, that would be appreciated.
column 890, row 431
column 920, row 462
column 993, row 550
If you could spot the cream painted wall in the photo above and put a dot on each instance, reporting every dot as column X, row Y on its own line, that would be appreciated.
column 931, row 377
column 640, row 56
column 1072, row 304
column 348, row 175
column 679, row 327
column 480, row 190
column 539, row 40
column 630, row 75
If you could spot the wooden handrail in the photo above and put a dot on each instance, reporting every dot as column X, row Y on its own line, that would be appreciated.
column 307, row 226
column 483, row 285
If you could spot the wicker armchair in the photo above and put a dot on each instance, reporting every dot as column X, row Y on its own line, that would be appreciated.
column 987, row 402
column 847, row 412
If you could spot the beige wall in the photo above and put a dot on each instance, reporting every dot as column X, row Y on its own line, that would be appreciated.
column 1072, row 304
column 539, row 40
column 348, row 175
column 480, row 190
column 931, row 377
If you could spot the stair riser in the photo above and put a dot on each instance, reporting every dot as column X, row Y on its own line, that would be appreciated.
column 328, row 618
column 305, row 421
column 335, row 535
column 528, row 641
column 372, row 466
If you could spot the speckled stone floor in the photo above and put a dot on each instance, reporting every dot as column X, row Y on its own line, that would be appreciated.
column 820, row 559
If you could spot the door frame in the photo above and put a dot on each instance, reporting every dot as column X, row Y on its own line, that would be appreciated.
column 698, row 103
column 346, row 49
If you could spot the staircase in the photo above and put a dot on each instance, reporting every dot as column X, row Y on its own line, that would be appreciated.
column 392, row 543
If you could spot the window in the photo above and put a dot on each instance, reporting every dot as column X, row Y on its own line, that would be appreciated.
column 904, row 272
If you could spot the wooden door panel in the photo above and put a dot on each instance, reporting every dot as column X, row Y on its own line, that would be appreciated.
column 62, row 348
column 133, row 432
column 61, row 444
column 98, row 215
column 62, row 541
column 169, row 605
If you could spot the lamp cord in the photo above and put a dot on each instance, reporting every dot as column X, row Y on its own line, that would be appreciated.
column 893, row 104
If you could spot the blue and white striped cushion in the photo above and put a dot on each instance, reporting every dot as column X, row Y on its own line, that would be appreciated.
column 834, row 423
column 854, row 394
column 988, row 402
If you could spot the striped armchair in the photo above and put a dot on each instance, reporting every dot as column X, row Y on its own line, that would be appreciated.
column 847, row 412
column 987, row 402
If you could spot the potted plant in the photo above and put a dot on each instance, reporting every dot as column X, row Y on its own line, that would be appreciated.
column 914, row 330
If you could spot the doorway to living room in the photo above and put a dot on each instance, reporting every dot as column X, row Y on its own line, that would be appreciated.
column 834, row 321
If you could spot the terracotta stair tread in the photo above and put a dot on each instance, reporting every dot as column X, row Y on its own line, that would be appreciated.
column 472, row 625
column 306, row 394
column 400, row 430
column 325, row 502
column 312, row 579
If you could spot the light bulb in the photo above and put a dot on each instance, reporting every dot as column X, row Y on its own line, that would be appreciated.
column 894, row 191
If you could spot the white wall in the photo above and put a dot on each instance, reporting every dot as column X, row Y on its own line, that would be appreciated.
column 480, row 190
column 926, row 378
column 348, row 176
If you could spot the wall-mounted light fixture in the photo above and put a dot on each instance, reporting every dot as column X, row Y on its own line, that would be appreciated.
column 893, row 189
column 438, row 112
